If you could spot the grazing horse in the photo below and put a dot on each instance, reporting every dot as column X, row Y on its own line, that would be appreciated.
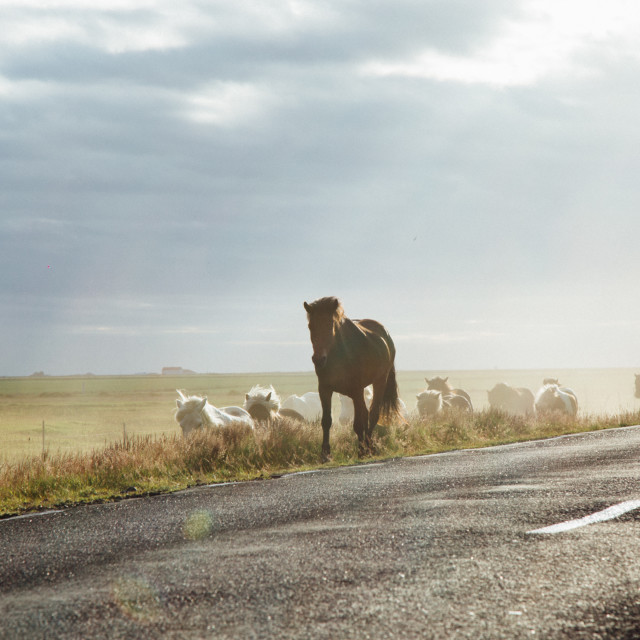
column 195, row 412
column 516, row 400
column 263, row 404
column 349, row 355
column 552, row 398
column 449, row 393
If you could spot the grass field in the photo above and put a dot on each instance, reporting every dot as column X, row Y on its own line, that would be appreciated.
column 84, row 413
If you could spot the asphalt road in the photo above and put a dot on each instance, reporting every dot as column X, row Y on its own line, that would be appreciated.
column 428, row 547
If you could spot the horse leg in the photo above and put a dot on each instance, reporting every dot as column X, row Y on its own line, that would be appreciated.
column 360, row 416
column 325, row 400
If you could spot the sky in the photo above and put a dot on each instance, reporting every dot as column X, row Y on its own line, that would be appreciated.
column 177, row 178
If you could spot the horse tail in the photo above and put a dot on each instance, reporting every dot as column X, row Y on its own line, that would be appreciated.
column 390, row 407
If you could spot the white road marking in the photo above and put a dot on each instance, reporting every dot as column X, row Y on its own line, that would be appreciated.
column 32, row 514
column 600, row 516
column 215, row 485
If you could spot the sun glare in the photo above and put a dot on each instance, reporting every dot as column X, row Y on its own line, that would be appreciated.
column 545, row 41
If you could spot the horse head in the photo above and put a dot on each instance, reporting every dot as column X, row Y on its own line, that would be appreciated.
column 438, row 384
column 189, row 413
column 324, row 316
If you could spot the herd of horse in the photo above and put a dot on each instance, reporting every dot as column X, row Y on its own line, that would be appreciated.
column 356, row 359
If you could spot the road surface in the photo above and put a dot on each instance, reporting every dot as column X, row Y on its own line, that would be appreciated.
column 466, row 544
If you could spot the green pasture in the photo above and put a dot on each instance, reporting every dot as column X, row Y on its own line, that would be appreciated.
column 84, row 413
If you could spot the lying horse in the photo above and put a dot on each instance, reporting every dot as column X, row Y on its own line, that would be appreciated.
column 552, row 398
column 263, row 404
column 449, row 393
column 308, row 405
column 195, row 412
column 514, row 400
column 349, row 355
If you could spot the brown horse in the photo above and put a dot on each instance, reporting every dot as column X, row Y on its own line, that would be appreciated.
column 349, row 355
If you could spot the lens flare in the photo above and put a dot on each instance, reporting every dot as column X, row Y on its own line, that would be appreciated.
column 198, row 525
column 136, row 598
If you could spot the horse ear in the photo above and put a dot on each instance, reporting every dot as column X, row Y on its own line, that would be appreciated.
column 307, row 308
column 269, row 396
column 179, row 404
column 202, row 404
column 336, row 303
column 246, row 397
column 446, row 378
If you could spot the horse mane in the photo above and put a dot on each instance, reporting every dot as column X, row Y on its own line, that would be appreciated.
column 329, row 305
column 264, row 396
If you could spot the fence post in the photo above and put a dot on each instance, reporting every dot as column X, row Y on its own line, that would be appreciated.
column 124, row 433
column 43, row 439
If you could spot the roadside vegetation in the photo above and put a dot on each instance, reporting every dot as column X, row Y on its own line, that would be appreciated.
column 148, row 464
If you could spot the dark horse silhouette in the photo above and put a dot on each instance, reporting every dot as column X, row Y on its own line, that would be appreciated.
column 349, row 355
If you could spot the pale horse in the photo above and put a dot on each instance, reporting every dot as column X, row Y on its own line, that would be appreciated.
column 263, row 404
column 553, row 398
column 433, row 402
column 195, row 412
column 454, row 398
column 514, row 400
column 429, row 403
column 308, row 405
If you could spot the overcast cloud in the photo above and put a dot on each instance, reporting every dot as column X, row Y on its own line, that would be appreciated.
column 177, row 178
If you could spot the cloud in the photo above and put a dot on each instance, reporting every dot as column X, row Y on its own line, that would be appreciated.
column 227, row 103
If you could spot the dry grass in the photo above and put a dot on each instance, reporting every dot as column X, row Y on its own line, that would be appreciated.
column 151, row 464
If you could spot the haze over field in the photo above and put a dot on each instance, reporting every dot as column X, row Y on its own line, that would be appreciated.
column 176, row 178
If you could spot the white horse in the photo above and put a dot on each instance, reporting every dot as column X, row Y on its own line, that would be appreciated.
column 551, row 398
column 429, row 403
column 308, row 405
column 195, row 412
column 263, row 404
